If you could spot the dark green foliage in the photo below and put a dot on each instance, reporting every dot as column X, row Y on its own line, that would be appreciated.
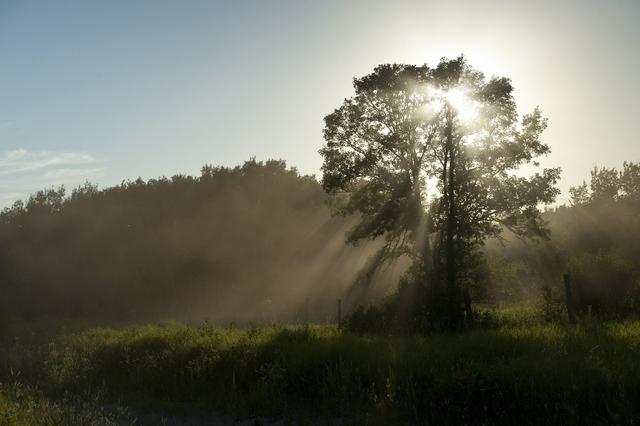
column 372, row 319
column 552, row 305
column 519, row 373
column 23, row 405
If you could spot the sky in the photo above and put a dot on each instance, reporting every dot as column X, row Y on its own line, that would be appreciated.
column 111, row 90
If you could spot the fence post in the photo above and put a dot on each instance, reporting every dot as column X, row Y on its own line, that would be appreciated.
column 306, row 313
column 568, row 298
column 339, row 313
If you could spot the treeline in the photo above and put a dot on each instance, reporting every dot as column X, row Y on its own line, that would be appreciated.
column 257, row 243
column 595, row 238
column 236, row 244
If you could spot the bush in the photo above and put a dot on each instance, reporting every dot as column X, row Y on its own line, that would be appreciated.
column 607, row 284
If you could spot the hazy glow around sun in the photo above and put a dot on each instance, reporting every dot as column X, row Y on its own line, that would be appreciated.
column 466, row 108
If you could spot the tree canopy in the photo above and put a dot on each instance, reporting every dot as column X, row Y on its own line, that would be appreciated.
column 428, row 157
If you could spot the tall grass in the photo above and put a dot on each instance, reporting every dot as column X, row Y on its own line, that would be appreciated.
column 25, row 405
column 523, row 374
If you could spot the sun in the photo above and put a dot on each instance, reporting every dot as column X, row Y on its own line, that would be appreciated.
column 457, row 98
column 465, row 107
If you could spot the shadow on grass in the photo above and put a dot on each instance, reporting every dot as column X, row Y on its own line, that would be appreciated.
column 519, row 374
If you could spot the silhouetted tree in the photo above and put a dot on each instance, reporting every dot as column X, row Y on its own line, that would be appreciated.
column 630, row 179
column 608, row 184
column 446, row 138
column 579, row 194
column 605, row 183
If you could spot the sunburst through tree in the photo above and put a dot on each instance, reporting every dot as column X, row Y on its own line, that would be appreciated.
column 428, row 158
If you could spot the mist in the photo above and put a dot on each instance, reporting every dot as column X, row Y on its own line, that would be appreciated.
column 252, row 243
column 594, row 238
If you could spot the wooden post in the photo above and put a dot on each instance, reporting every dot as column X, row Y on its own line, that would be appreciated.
column 468, row 310
column 306, row 313
column 339, row 313
column 568, row 299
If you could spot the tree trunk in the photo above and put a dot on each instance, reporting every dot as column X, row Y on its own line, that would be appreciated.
column 443, row 205
column 452, row 290
column 436, row 289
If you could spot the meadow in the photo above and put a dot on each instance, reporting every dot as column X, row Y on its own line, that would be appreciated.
column 518, row 370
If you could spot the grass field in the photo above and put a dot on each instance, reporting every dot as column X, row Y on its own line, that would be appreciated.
column 522, row 372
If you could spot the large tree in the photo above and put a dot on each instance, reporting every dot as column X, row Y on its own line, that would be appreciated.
column 428, row 158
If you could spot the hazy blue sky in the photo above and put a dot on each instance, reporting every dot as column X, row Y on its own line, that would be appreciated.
column 109, row 90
